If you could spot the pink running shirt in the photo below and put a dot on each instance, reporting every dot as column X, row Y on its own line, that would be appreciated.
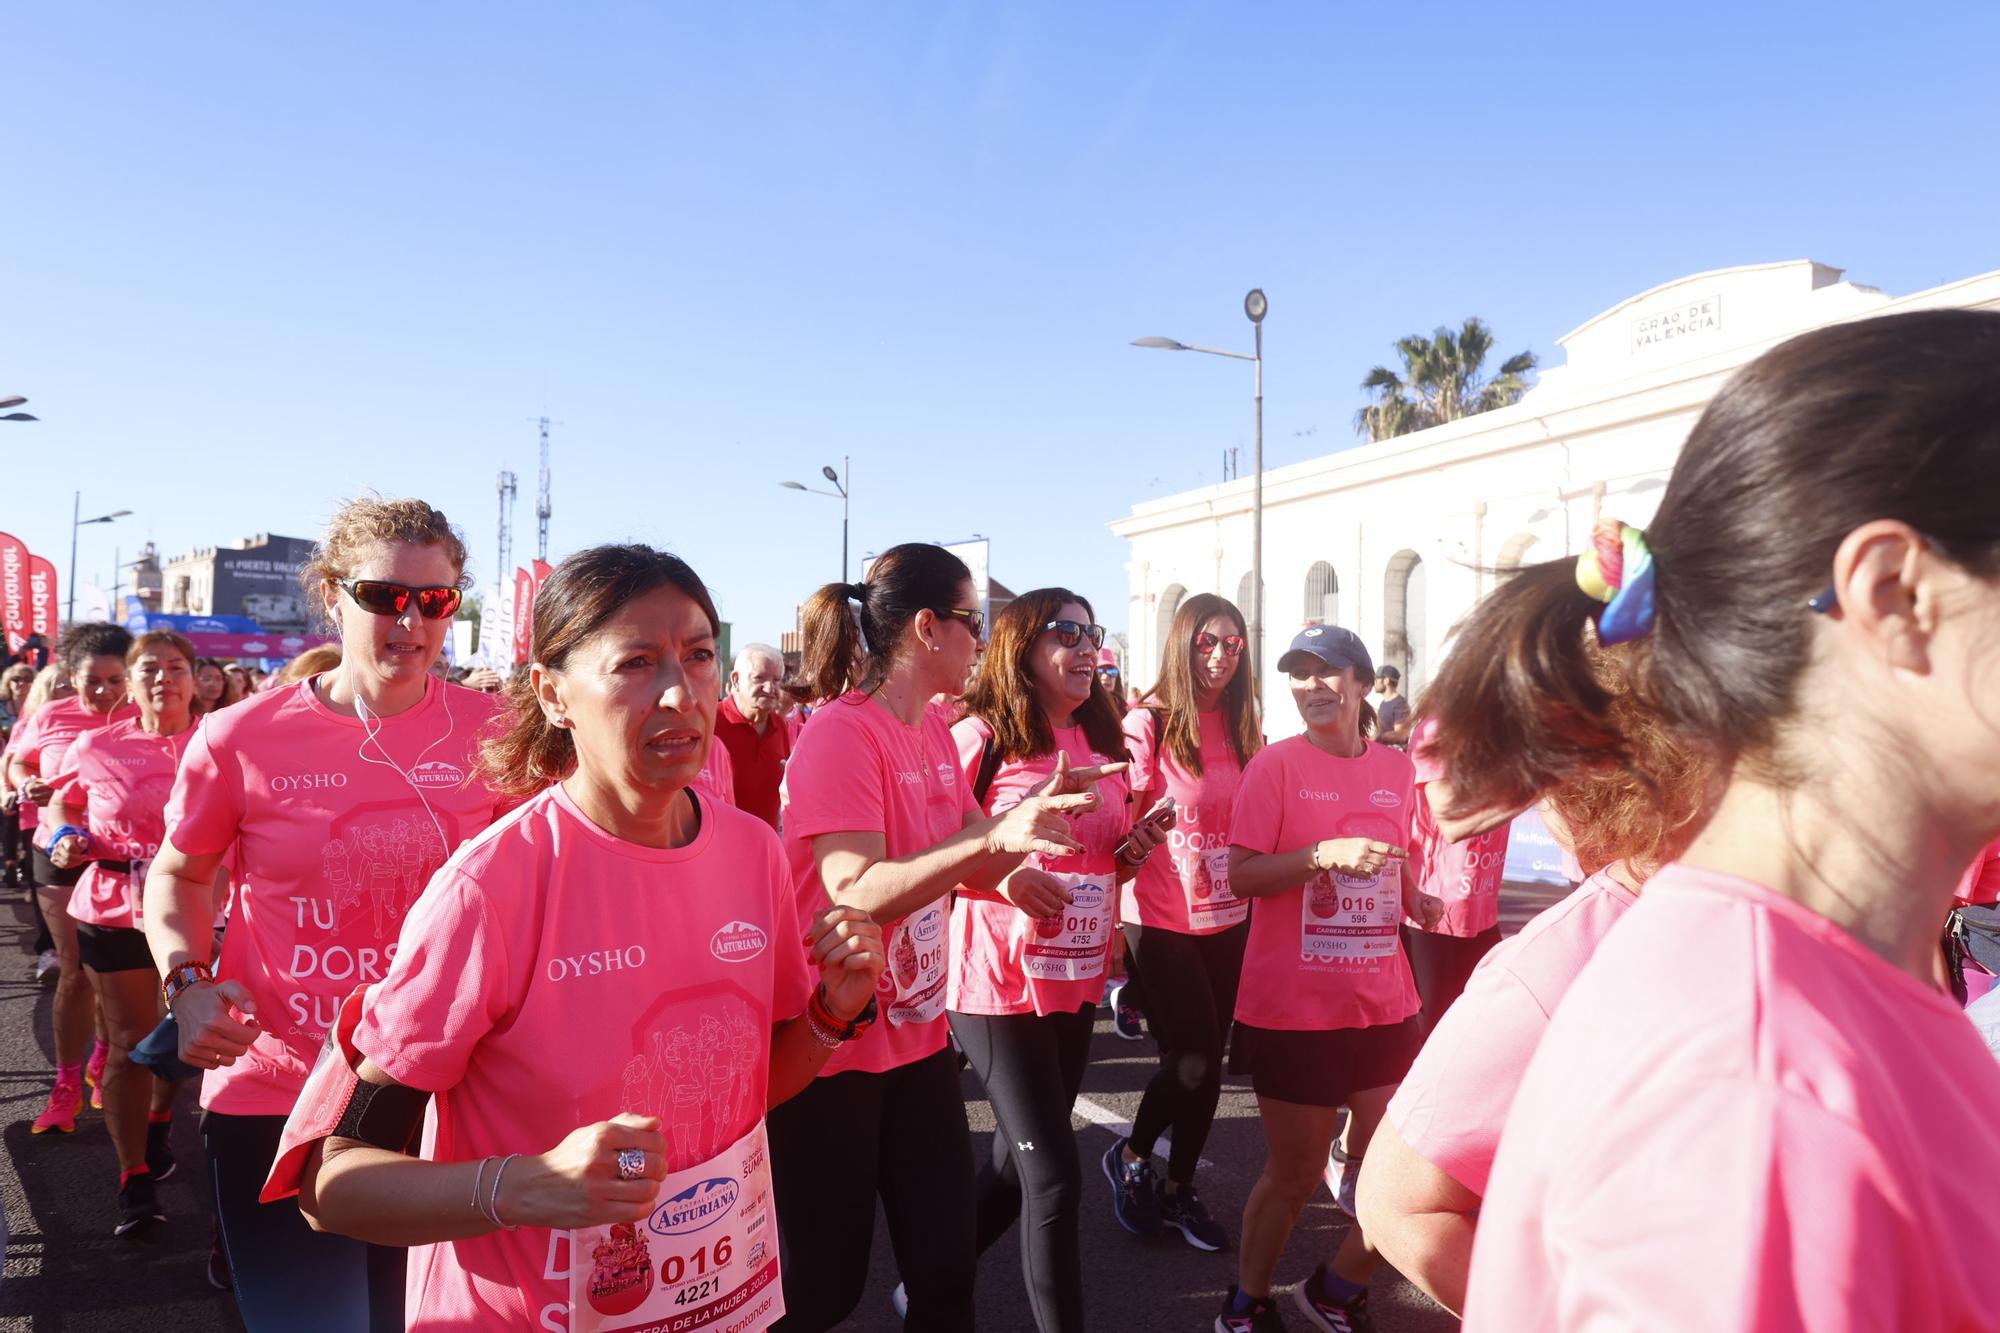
column 333, row 820
column 1004, row 961
column 118, row 778
column 859, row 770
column 1454, row 1100
column 44, row 739
column 1185, row 886
column 1329, row 953
column 1982, row 879
column 1466, row 875
column 1740, row 1118
column 718, row 774
column 555, row 976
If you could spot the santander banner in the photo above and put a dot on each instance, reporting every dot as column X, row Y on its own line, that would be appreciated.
column 42, row 601
column 14, row 591
column 524, row 613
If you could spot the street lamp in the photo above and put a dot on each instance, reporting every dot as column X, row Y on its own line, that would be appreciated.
column 16, row 400
column 840, row 480
column 1255, row 306
column 75, row 522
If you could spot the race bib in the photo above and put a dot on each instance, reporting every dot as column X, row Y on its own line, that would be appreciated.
column 913, row 983
column 707, row 1258
column 1349, row 918
column 1071, row 946
column 1205, row 880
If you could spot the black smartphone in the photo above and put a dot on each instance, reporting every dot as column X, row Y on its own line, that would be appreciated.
column 1162, row 818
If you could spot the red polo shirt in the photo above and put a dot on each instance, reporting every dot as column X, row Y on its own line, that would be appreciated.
column 759, row 761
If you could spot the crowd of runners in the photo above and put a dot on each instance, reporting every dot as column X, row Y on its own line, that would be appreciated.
column 621, row 993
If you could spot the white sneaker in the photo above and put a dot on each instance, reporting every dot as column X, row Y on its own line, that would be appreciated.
column 1341, row 1173
column 48, row 965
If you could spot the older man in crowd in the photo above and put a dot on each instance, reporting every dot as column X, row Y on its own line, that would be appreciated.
column 751, row 725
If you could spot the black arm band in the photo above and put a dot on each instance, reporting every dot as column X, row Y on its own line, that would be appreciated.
column 383, row 1116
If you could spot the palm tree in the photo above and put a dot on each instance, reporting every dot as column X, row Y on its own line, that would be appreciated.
column 1440, row 382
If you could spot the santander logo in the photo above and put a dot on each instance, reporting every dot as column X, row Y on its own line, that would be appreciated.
column 738, row 942
column 437, row 773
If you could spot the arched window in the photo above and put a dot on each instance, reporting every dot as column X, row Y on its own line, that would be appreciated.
column 1170, row 605
column 1322, row 595
column 1403, row 631
column 1243, row 597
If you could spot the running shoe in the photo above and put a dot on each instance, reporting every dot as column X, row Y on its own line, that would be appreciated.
column 1183, row 1208
column 139, row 1214
column 65, row 1100
column 218, row 1263
column 48, row 968
column 1126, row 1020
column 93, row 1074
column 1328, row 1315
column 1341, row 1173
column 160, row 1156
column 1260, row 1315
column 1134, row 1197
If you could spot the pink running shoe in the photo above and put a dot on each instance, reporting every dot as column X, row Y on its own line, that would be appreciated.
column 65, row 1099
column 93, row 1074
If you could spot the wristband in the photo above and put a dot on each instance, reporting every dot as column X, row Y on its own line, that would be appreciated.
column 70, row 831
column 821, row 1017
column 178, row 980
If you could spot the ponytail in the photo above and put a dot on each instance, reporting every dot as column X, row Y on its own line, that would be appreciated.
column 847, row 648
column 830, row 658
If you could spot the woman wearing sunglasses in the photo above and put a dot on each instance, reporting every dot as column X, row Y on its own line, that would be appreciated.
column 1028, row 961
column 340, row 794
column 1184, row 929
column 882, row 818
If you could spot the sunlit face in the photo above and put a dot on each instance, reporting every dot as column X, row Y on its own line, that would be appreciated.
column 17, row 689
column 100, row 683
column 163, row 683
column 1216, row 667
column 1329, row 698
column 757, row 686
column 210, row 682
column 640, row 695
column 1063, row 676
column 392, row 651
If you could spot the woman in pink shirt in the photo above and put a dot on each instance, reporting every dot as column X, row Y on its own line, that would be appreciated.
column 1190, row 737
column 882, row 818
column 317, row 791
column 1464, row 874
column 1756, row 1108
column 93, row 658
column 600, row 997
column 1326, row 1014
column 1419, row 1193
column 108, row 817
column 1025, row 979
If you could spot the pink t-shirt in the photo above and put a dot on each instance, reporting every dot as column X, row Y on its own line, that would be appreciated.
column 1982, row 879
column 44, row 739
column 1741, row 1118
column 554, row 976
column 1454, row 1100
column 1185, row 887
column 340, row 824
column 1004, row 961
column 118, row 778
column 859, row 770
column 1328, row 954
column 1466, row 875
column 718, row 774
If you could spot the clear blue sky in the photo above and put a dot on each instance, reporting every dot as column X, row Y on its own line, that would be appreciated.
column 255, row 258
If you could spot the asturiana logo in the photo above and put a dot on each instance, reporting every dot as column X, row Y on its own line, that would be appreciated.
column 701, row 1204
column 738, row 942
column 929, row 926
column 437, row 773
column 1385, row 799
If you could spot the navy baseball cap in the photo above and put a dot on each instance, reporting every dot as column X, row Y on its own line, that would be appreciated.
column 1331, row 645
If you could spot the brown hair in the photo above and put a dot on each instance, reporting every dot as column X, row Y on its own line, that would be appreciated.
column 99, row 638
column 1896, row 417
column 1173, row 695
column 321, row 657
column 583, row 592
column 362, row 523
column 845, row 650
column 159, row 638
column 1004, row 695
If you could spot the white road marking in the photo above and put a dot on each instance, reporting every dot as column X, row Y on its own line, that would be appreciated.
column 1098, row 1114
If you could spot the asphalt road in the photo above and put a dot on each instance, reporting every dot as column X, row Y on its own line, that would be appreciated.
column 65, row 1271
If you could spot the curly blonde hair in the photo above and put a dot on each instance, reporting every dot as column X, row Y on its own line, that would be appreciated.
column 371, row 520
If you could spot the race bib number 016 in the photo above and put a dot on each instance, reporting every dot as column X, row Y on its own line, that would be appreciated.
column 1205, row 878
column 1349, row 919
column 1071, row 946
column 707, row 1257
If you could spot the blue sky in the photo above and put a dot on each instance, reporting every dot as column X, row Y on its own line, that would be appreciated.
column 256, row 258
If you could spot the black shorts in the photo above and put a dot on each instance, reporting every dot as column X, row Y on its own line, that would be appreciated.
column 48, row 875
column 1324, row 1068
column 112, row 948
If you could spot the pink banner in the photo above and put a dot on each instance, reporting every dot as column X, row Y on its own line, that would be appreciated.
column 254, row 645
column 44, row 607
column 524, row 615
column 14, row 590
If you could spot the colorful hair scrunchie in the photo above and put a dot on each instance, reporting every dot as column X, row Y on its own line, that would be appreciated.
column 1617, row 569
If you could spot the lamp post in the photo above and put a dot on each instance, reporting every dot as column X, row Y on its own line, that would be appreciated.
column 840, row 480
column 16, row 400
column 75, row 522
column 1255, row 306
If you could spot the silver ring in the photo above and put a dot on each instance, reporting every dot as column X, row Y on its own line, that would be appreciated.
column 631, row 1163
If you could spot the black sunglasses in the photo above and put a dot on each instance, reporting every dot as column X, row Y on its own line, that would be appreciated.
column 393, row 599
column 1232, row 644
column 1068, row 633
column 975, row 620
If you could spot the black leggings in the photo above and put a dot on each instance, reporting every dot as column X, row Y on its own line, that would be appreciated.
column 1032, row 1068
column 288, row 1276
column 1191, row 997
column 847, row 1138
column 1442, row 964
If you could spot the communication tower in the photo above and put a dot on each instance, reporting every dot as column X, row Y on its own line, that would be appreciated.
column 498, row 630
column 542, row 500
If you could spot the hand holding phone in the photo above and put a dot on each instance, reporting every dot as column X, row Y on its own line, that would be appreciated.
column 1161, row 817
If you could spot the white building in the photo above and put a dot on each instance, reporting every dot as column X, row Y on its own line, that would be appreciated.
column 1397, row 539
